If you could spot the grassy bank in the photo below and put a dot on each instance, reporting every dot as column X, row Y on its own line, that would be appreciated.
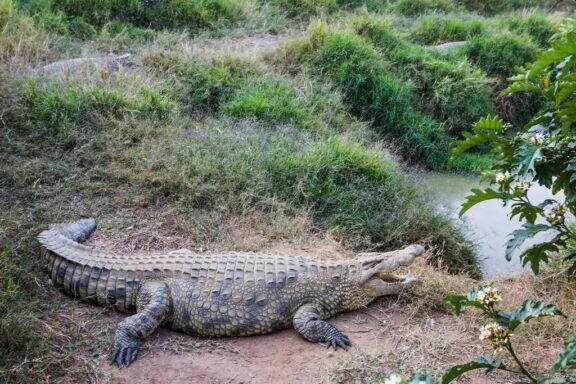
column 222, row 152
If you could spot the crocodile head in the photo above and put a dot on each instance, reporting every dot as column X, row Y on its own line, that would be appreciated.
column 377, row 278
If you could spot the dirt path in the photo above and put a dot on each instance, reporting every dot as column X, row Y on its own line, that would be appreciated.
column 283, row 357
column 251, row 46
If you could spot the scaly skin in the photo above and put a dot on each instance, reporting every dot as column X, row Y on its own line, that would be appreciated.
column 230, row 294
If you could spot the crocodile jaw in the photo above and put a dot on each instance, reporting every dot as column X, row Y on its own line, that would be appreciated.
column 383, row 284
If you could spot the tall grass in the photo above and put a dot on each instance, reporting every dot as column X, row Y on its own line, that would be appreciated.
column 355, row 67
column 436, row 29
column 193, row 14
column 501, row 53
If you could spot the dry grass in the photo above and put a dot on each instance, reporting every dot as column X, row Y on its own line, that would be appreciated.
column 427, row 337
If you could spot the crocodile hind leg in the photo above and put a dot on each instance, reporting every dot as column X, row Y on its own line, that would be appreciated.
column 153, row 303
column 308, row 322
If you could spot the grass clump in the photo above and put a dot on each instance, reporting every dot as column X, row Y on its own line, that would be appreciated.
column 535, row 24
column 355, row 191
column 472, row 163
column 377, row 30
column 192, row 14
column 454, row 93
column 370, row 93
column 501, row 53
column 306, row 8
column 267, row 99
column 67, row 114
column 417, row 7
column 436, row 29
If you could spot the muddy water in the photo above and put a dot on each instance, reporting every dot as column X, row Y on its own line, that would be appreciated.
column 487, row 224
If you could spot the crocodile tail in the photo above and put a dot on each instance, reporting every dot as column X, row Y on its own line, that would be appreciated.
column 78, row 231
column 85, row 272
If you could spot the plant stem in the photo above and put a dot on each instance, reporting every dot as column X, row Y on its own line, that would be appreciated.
column 522, row 369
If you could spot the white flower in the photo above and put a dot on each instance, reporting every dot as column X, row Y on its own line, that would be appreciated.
column 393, row 379
column 536, row 139
column 523, row 185
column 489, row 296
column 502, row 177
column 496, row 334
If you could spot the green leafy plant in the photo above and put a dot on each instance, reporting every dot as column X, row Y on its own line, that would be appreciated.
column 543, row 152
column 500, row 334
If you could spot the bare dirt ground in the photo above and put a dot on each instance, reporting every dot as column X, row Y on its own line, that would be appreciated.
column 283, row 357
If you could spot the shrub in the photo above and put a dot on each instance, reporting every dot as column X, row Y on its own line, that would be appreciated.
column 416, row 7
column 436, row 29
column 299, row 8
column 369, row 93
column 267, row 99
column 454, row 93
column 193, row 14
column 378, row 31
column 542, row 151
column 536, row 25
column 500, row 54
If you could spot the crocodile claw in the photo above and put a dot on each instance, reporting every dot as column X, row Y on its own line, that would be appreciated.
column 123, row 356
column 124, row 350
column 337, row 339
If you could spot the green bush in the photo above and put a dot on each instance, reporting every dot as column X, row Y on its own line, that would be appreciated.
column 536, row 25
column 298, row 8
column 436, row 29
column 370, row 93
column 67, row 114
column 454, row 93
column 268, row 99
column 501, row 53
column 192, row 14
column 379, row 31
column 416, row 7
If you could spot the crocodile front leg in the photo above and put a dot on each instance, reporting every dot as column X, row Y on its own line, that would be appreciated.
column 153, row 303
column 308, row 322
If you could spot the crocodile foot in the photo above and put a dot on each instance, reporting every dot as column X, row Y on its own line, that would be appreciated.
column 335, row 338
column 124, row 349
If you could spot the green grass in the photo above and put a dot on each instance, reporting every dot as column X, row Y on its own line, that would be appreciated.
column 417, row 7
column 500, row 54
column 305, row 8
column 455, row 93
column 370, row 93
column 536, row 24
column 437, row 29
column 193, row 14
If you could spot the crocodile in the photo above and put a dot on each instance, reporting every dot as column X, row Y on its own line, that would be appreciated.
column 217, row 295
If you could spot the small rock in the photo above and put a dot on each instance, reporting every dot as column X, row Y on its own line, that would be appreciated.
column 330, row 354
column 430, row 322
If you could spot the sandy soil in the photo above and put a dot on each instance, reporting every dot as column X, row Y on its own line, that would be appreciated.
column 283, row 357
